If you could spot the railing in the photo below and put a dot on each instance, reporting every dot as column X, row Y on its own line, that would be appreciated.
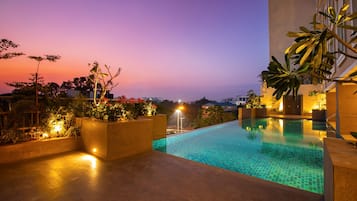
column 3, row 120
column 28, row 119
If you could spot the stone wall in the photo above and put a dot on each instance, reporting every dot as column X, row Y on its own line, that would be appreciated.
column 33, row 149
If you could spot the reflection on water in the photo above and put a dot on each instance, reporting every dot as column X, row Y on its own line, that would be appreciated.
column 289, row 132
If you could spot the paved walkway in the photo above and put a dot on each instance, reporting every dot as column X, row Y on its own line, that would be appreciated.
column 77, row 176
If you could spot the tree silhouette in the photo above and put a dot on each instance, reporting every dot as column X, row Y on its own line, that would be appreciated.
column 39, row 59
column 6, row 44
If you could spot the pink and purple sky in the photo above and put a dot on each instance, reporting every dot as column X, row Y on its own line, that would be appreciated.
column 173, row 49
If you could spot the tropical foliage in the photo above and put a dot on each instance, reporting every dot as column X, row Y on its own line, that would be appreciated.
column 310, row 56
column 253, row 100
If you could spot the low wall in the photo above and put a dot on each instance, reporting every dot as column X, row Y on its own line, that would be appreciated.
column 340, row 170
column 114, row 140
column 33, row 149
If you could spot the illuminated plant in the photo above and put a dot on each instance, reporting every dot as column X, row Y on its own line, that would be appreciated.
column 150, row 108
column 102, row 79
column 60, row 124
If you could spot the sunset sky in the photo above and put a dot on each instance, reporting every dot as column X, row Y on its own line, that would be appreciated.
column 173, row 49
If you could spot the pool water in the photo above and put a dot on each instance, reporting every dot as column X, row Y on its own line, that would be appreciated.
column 288, row 152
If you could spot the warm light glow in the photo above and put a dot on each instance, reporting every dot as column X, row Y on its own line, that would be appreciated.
column 181, row 107
column 281, row 125
column 94, row 150
column 178, row 111
column 57, row 128
column 281, row 106
column 91, row 159
column 45, row 135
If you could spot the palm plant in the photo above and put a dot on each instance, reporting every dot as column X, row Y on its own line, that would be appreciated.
column 283, row 78
column 310, row 53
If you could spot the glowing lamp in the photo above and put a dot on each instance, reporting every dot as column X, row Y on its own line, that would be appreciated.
column 57, row 128
column 94, row 150
column 45, row 135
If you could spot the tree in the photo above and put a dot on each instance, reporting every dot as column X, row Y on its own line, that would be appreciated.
column 6, row 44
column 253, row 100
column 310, row 55
column 102, row 79
column 39, row 59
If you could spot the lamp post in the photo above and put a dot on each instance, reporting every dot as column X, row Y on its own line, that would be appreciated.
column 179, row 117
column 178, row 111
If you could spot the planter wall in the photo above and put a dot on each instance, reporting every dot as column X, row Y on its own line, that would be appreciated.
column 260, row 112
column 159, row 125
column 319, row 115
column 114, row 140
column 340, row 170
column 34, row 149
column 244, row 113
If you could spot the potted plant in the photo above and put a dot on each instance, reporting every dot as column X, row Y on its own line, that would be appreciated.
column 253, row 108
column 159, row 120
column 111, row 132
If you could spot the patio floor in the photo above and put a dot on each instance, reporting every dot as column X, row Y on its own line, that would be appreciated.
column 150, row 176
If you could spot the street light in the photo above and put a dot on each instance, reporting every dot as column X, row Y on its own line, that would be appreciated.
column 178, row 111
column 179, row 117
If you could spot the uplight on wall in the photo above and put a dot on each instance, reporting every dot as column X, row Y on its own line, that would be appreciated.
column 281, row 106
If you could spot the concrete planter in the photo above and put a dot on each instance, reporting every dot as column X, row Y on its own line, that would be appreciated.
column 319, row 115
column 114, row 140
column 39, row 148
column 244, row 113
column 159, row 125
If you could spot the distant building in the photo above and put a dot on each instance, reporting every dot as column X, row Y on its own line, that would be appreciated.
column 241, row 100
column 227, row 106
column 153, row 99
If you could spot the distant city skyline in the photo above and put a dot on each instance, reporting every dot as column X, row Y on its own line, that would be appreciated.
column 172, row 49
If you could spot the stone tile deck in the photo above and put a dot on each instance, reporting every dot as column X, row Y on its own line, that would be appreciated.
column 290, row 116
column 77, row 176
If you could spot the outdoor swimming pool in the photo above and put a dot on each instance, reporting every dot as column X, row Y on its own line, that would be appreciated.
column 288, row 152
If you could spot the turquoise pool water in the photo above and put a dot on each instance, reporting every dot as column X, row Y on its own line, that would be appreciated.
column 288, row 152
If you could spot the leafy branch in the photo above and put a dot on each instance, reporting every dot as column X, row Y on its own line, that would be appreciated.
column 102, row 79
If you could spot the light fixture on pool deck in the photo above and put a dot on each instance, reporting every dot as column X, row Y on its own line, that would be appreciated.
column 178, row 111
column 179, row 116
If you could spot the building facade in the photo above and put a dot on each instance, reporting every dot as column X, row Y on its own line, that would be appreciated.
column 339, row 98
column 285, row 16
